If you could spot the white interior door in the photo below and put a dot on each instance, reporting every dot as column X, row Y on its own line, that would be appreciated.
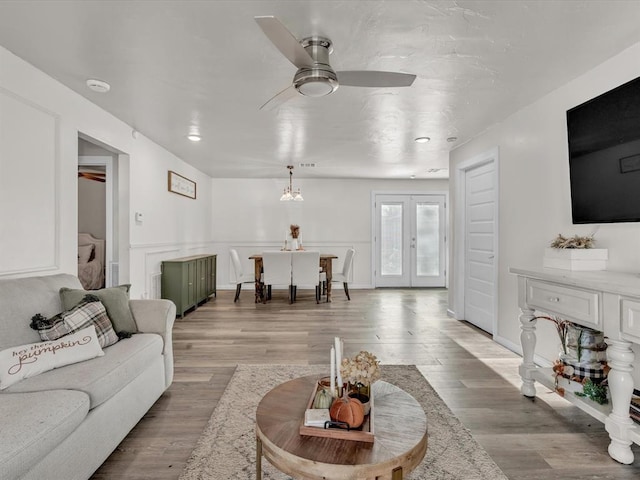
column 410, row 240
column 480, row 221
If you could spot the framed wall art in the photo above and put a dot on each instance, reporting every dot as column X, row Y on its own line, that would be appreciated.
column 181, row 185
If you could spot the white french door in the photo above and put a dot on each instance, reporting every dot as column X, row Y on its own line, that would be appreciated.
column 409, row 240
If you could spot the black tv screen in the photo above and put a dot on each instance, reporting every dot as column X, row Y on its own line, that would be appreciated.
column 604, row 156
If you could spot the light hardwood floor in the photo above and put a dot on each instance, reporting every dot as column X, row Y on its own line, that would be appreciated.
column 542, row 439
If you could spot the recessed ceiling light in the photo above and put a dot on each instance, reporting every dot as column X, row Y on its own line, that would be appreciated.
column 98, row 85
column 194, row 137
column 422, row 139
column 452, row 139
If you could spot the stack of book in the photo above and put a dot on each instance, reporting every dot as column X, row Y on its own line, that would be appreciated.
column 634, row 409
column 316, row 417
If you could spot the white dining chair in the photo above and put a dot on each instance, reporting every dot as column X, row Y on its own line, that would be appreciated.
column 276, row 270
column 346, row 272
column 240, row 276
column 305, row 272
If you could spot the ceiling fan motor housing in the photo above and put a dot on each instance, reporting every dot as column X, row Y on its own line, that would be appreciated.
column 320, row 79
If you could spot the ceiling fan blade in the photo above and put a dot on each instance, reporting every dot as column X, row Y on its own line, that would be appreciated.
column 372, row 78
column 278, row 99
column 284, row 40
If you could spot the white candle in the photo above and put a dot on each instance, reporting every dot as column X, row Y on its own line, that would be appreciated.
column 333, row 370
column 338, row 349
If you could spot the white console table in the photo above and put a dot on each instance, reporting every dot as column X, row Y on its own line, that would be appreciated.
column 602, row 300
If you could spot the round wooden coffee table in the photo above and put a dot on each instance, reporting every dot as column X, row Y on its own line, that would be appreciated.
column 400, row 436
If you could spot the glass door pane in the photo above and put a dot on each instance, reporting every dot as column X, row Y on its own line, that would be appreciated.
column 391, row 239
column 427, row 239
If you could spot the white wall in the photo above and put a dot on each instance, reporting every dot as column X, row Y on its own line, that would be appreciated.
column 39, row 124
column 335, row 215
column 534, row 190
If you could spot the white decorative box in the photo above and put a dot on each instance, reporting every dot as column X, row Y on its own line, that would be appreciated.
column 579, row 259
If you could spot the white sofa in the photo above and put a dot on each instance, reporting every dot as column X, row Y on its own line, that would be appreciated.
column 64, row 423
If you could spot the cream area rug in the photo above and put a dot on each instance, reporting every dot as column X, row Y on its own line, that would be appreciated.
column 226, row 449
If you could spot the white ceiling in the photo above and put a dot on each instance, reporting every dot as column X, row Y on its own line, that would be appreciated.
column 176, row 64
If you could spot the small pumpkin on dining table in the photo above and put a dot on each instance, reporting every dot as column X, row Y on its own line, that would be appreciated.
column 348, row 410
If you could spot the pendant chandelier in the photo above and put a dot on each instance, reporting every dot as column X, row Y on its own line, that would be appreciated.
column 289, row 193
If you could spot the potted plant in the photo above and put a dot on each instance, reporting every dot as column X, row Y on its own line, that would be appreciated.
column 575, row 253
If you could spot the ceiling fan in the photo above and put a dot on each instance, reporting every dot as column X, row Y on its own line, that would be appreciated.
column 315, row 77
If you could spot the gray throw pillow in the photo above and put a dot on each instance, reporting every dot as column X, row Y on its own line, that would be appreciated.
column 115, row 300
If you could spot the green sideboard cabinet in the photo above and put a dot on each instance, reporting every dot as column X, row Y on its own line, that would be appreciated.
column 189, row 281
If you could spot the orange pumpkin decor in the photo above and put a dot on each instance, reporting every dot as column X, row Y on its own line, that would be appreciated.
column 348, row 410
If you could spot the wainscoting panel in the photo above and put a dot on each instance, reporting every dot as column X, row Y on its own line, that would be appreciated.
column 29, row 189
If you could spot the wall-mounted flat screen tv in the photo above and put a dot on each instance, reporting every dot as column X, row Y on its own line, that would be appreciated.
column 604, row 156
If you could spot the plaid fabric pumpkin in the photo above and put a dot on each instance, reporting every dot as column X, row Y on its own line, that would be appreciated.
column 90, row 311
column 597, row 372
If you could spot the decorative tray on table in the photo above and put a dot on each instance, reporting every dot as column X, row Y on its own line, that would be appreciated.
column 364, row 433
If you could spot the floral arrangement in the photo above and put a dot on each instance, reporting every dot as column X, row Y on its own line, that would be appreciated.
column 295, row 231
column 573, row 242
column 363, row 369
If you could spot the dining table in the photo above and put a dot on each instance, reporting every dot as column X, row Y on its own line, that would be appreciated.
column 326, row 262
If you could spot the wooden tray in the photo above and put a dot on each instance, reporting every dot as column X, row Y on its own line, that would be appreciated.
column 362, row 434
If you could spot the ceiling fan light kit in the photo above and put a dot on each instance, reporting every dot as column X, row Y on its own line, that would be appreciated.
column 320, row 80
column 315, row 82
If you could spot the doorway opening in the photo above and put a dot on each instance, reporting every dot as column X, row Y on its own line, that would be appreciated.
column 97, row 215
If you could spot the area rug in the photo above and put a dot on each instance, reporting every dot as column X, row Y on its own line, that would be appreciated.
column 226, row 449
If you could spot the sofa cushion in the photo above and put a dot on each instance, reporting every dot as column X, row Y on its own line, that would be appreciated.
column 101, row 377
column 33, row 424
column 115, row 300
column 90, row 311
column 22, row 298
column 27, row 361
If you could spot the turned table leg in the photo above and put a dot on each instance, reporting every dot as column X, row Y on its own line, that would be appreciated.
column 329, row 271
column 528, row 342
column 620, row 358
column 257, row 265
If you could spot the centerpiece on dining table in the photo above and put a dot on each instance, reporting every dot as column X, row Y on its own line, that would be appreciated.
column 293, row 239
